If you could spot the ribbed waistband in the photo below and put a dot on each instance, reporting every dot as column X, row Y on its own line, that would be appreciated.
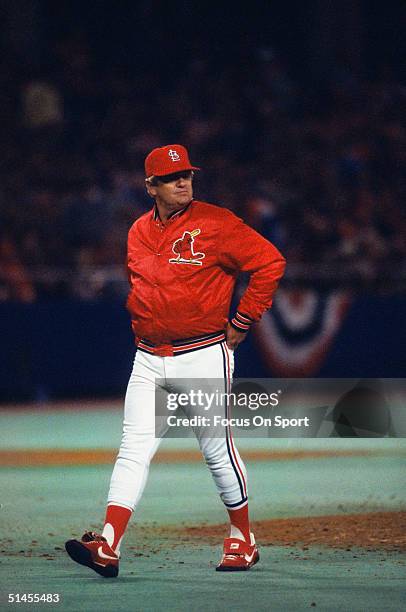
column 180, row 347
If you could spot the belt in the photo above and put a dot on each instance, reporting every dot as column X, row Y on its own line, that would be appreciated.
column 180, row 347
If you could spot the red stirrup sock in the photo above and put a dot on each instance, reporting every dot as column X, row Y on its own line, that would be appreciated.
column 240, row 524
column 115, row 524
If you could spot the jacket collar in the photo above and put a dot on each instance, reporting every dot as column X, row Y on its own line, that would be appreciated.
column 174, row 215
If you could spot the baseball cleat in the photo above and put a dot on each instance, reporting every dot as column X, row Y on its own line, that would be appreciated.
column 238, row 555
column 94, row 552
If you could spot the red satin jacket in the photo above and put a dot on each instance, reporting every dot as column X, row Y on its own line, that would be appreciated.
column 182, row 273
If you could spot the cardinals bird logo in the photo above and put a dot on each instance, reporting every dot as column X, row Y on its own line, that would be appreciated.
column 184, row 251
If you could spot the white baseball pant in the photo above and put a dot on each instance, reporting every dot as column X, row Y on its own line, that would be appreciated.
column 139, row 443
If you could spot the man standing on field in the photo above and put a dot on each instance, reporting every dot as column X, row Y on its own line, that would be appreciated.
column 184, row 257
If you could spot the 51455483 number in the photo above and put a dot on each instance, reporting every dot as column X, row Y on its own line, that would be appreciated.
column 34, row 597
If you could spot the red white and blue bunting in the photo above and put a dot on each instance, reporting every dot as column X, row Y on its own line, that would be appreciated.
column 295, row 336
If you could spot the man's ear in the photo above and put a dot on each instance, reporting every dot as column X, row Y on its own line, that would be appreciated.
column 150, row 189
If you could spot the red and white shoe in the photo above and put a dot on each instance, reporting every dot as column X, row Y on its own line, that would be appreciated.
column 238, row 555
column 94, row 552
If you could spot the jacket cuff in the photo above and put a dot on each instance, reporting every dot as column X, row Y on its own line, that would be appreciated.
column 241, row 322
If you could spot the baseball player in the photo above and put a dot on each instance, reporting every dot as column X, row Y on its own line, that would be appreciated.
column 184, row 257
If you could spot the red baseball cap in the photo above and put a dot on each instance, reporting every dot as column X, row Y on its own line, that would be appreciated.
column 167, row 160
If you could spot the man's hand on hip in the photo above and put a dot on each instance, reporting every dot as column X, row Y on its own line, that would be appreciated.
column 234, row 337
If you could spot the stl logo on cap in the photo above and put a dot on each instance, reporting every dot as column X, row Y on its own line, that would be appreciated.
column 167, row 160
column 173, row 155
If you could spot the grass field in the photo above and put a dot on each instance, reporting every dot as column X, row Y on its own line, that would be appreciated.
column 329, row 517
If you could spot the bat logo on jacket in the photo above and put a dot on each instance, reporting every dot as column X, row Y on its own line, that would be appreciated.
column 184, row 250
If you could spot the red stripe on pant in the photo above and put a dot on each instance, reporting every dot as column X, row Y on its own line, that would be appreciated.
column 228, row 390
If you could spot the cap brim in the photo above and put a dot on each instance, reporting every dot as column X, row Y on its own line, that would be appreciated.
column 177, row 171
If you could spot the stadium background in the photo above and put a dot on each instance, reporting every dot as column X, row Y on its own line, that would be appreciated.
column 296, row 114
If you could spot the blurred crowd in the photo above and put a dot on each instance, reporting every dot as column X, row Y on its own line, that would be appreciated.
column 319, row 170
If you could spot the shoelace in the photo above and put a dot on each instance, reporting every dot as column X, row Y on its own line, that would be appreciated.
column 92, row 536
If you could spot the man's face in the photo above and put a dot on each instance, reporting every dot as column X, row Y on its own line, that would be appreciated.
column 173, row 191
